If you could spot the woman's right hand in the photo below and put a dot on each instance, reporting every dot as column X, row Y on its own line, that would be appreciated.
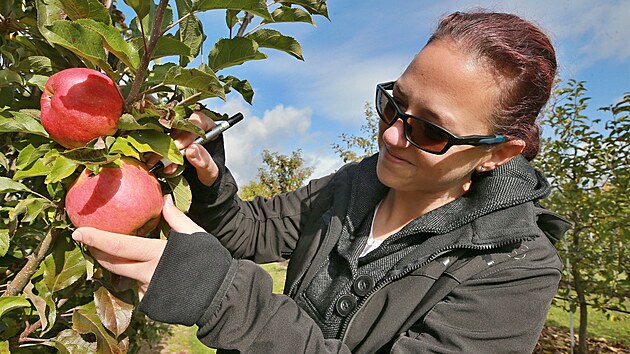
column 197, row 155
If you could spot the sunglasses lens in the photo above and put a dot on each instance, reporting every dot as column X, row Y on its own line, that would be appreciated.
column 425, row 135
column 385, row 108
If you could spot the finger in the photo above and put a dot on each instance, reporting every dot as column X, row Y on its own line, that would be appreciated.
column 170, row 169
column 178, row 221
column 150, row 158
column 128, row 247
column 139, row 271
column 200, row 159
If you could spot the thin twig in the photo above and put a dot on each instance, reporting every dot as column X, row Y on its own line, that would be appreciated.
column 189, row 99
column 255, row 28
column 169, row 27
column 148, row 53
column 151, row 89
column 246, row 21
column 24, row 275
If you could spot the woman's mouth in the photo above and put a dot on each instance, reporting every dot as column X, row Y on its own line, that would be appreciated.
column 393, row 157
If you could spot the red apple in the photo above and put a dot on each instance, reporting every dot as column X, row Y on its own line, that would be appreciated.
column 126, row 200
column 78, row 105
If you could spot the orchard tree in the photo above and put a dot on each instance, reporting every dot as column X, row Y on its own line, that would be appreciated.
column 282, row 173
column 358, row 147
column 587, row 162
column 54, row 297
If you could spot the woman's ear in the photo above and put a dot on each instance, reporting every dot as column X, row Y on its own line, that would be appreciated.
column 502, row 153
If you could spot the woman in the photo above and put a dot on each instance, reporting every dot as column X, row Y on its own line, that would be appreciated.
column 435, row 244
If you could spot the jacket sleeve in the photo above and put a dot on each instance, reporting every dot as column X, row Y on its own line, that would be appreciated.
column 231, row 301
column 262, row 230
column 494, row 314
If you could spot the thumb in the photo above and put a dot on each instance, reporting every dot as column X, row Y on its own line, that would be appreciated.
column 177, row 220
column 207, row 169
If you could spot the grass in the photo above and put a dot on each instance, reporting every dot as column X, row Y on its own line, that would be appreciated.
column 184, row 341
column 599, row 326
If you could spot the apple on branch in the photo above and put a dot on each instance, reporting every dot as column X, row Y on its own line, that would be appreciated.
column 78, row 105
column 126, row 200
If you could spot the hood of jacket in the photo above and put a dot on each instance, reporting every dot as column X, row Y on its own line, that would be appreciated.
column 503, row 199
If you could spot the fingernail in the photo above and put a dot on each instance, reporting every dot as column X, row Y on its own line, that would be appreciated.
column 77, row 236
column 195, row 153
column 169, row 199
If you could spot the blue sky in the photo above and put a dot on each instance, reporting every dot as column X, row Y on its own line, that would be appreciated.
column 308, row 104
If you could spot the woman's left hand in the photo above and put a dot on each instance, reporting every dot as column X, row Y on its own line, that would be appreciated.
column 131, row 256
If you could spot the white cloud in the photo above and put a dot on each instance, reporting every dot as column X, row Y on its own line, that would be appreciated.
column 584, row 31
column 279, row 130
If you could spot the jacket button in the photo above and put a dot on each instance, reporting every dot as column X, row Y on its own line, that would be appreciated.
column 363, row 285
column 346, row 304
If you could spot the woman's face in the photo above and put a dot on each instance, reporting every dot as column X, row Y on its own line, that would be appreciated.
column 454, row 90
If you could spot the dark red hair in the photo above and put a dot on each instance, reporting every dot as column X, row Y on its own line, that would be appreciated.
column 524, row 58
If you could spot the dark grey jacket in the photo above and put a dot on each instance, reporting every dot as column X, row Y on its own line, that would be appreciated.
column 479, row 278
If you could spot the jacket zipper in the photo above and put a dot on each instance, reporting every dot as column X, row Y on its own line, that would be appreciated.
column 391, row 279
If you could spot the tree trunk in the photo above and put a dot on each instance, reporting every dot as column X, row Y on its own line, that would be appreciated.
column 579, row 289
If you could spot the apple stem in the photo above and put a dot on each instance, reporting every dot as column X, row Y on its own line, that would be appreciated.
column 148, row 53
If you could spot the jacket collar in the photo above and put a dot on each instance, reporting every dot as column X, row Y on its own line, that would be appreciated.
column 494, row 209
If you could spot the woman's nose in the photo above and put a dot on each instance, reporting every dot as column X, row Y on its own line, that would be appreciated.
column 394, row 135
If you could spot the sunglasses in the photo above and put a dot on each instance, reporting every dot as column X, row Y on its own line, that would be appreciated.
column 421, row 133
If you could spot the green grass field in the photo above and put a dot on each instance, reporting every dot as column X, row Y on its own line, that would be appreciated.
column 183, row 339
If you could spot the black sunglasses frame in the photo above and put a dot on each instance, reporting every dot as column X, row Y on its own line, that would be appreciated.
column 474, row 140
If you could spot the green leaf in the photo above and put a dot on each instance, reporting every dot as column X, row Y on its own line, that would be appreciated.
column 241, row 86
column 8, row 77
column 86, row 9
column 114, row 313
column 235, row 51
column 64, row 266
column 30, row 154
column 81, row 41
column 231, row 18
column 268, row 38
column 4, row 241
column 291, row 14
column 168, row 45
column 48, row 11
column 257, row 7
column 62, row 168
column 206, row 82
column 8, row 303
column 31, row 207
column 7, row 185
column 152, row 141
column 122, row 146
column 182, row 194
column 315, row 7
column 37, row 63
column 190, row 30
column 114, row 42
column 69, row 341
column 88, row 155
column 36, row 169
column 141, row 7
column 181, row 122
column 147, row 21
column 21, row 123
column 36, row 80
column 129, row 122
column 85, row 320
column 3, row 161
